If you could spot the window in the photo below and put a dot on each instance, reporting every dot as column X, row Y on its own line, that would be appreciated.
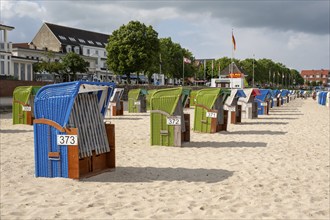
column 99, row 43
column 62, row 37
column 90, row 42
column 88, row 51
column 105, row 53
column 2, row 67
column 16, row 70
column 317, row 76
column 68, row 49
column 22, row 71
column 29, row 72
column 96, row 52
column 81, row 40
column 76, row 50
column 72, row 39
column 311, row 76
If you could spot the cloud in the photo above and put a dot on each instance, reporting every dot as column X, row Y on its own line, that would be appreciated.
column 21, row 9
column 293, row 32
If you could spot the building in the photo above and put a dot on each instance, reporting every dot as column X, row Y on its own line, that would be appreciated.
column 320, row 77
column 12, row 65
column 61, row 40
column 231, row 77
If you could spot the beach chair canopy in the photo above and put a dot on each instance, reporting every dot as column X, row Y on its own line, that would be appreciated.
column 23, row 96
column 23, row 93
column 234, row 95
column 192, row 97
column 55, row 101
column 185, row 96
column 148, row 97
column 251, row 92
column 207, row 97
column 117, row 94
column 166, row 100
column 265, row 94
column 284, row 93
column 135, row 93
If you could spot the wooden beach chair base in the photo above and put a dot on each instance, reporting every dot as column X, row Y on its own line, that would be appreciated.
column 117, row 112
column 95, row 164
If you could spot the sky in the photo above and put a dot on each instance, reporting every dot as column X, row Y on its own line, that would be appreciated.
column 292, row 32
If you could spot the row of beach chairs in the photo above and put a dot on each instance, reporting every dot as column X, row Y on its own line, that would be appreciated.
column 73, row 137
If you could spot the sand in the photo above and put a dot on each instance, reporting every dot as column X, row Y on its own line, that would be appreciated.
column 273, row 167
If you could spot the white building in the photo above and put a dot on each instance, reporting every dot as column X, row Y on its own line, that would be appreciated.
column 231, row 77
column 90, row 45
column 12, row 64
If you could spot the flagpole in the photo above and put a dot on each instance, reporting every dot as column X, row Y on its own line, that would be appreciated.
column 183, row 71
column 232, row 52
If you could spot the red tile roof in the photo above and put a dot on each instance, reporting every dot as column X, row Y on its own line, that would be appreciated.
column 314, row 72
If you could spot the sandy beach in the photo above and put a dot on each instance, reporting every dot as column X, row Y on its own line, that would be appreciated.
column 273, row 167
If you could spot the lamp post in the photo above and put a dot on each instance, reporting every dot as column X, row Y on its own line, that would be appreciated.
column 253, row 72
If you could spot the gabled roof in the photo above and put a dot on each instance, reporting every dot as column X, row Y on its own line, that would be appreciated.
column 235, row 69
column 74, row 36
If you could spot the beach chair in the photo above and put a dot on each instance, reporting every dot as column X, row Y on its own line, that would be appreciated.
column 234, row 110
column 137, row 101
column 185, row 97
column 323, row 98
column 70, row 138
column 249, row 106
column 192, row 98
column 209, row 113
column 263, row 101
column 116, row 106
column 148, row 97
column 279, row 98
column 169, row 126
column 23, row 103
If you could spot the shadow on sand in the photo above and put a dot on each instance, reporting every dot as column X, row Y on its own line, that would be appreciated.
column 267, row 132
column 224, row 144
column 151, row 174
column 279, row 118
column 124, row 119
column 264, row 123
column 284, row 113
column 15, row 131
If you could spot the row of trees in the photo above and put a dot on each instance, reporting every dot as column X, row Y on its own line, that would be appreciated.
column 135, row 47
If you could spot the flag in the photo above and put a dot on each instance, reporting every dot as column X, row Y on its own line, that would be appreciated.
column 233, row 39
column 186, row 60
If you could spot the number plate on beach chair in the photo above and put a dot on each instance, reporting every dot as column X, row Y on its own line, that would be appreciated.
column 26, row 108
column 67, row 140
column 175, row 120
column 211, row 114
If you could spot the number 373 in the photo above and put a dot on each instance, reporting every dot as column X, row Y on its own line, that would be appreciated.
column 67, row 140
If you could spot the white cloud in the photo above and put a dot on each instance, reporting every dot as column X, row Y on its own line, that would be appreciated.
column 10, row 9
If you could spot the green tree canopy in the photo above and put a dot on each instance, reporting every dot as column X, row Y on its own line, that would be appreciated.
column 73, row 64
column 132, row 48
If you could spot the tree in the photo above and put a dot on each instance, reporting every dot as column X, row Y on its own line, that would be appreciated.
column 48, row 65
column 132, row 48
column 73, row 64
